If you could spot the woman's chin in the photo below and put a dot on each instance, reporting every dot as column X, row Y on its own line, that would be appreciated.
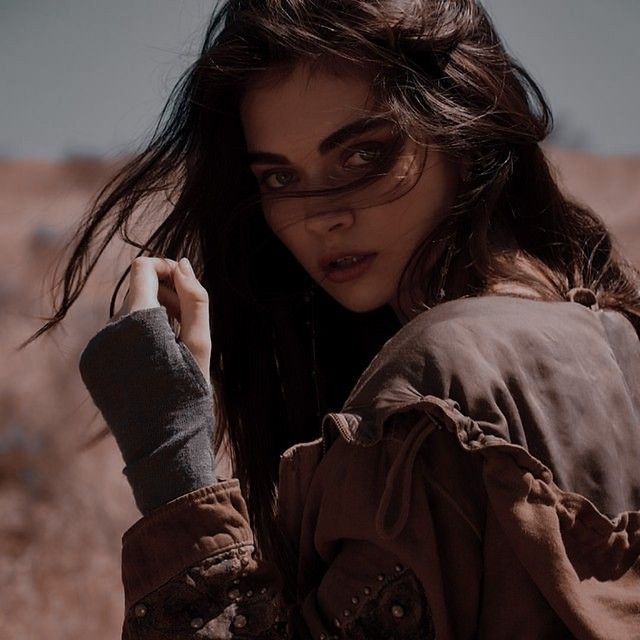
column 359, row 301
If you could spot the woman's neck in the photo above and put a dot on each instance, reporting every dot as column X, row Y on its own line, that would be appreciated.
column 409, row 302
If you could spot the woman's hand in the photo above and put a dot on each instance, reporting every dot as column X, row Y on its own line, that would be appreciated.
column 151, row 284
column 152, row 387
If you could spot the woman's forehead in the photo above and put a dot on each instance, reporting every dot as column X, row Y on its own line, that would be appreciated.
column 289, row 112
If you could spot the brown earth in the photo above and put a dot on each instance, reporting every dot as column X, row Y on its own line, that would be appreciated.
column 610, row 186
column 63, row 509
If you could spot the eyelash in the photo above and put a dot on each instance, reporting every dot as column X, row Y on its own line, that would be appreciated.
column 377, row 147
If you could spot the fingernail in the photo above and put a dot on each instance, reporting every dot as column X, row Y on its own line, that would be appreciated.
column 185, row 266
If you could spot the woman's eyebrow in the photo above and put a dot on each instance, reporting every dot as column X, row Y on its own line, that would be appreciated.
column 334, row 139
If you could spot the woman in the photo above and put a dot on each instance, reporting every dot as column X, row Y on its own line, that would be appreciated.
column 423, row 356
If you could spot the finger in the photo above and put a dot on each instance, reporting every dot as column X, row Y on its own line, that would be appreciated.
column 123, row 310
column 195, row 331
column 168, row 298
column 144, row 280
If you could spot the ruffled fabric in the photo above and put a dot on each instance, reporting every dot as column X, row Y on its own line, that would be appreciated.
column 532, row 391
column 558, row 379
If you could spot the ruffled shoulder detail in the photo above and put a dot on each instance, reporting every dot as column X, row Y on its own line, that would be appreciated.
column 586, row 564
column 558, row 379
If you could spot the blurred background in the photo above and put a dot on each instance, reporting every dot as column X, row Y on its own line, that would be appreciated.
column 82, row 84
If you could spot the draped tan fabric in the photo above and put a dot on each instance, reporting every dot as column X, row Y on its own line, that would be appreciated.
column 481, row 481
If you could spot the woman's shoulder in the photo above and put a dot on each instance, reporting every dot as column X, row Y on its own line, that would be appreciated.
column 498, row 357
column 556, row 380
column 475, row 329
column 493, row 315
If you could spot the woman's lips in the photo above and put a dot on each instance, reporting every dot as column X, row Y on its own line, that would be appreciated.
column 352, row 271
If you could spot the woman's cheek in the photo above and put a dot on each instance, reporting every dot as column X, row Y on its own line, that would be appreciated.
column 283, row 218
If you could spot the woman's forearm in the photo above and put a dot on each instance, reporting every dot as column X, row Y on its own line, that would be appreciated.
column 157, row 404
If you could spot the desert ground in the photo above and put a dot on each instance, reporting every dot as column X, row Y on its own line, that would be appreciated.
column 65, row 505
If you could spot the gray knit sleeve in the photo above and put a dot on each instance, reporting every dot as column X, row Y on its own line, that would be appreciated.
column 157, row 403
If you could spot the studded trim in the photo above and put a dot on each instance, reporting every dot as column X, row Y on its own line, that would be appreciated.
column 230, row 595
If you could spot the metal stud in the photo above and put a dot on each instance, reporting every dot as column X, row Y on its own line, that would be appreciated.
column 346, row 613
column 249, row 593
column 380, row 577
column 140, row 610
column 322, row 636
column 397, row 611
column 263, row 590
column 234, row 594
column 355, row 599
column 240, row 622
column 197, row 623
column 336, row 623
column 367, row 591
column 398, row 568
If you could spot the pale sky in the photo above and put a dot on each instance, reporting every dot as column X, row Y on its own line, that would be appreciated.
column 90, row 76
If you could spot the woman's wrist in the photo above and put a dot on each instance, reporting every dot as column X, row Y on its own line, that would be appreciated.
column 182, row 464
column 156, row 402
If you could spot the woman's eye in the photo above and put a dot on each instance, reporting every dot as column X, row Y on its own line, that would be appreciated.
column 277, row 179
column 363, row 156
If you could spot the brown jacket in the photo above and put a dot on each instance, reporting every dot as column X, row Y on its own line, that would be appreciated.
column 481, row 481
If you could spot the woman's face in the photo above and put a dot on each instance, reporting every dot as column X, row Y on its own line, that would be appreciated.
column 294, row 133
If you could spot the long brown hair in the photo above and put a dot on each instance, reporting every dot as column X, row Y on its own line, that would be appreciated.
column 442, row 75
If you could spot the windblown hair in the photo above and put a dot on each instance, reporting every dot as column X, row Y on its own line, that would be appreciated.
column 443, row 76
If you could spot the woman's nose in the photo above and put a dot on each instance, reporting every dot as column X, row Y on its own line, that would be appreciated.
column 323, row 222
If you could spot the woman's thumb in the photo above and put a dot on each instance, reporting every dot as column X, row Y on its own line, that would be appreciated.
column 195, row 331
